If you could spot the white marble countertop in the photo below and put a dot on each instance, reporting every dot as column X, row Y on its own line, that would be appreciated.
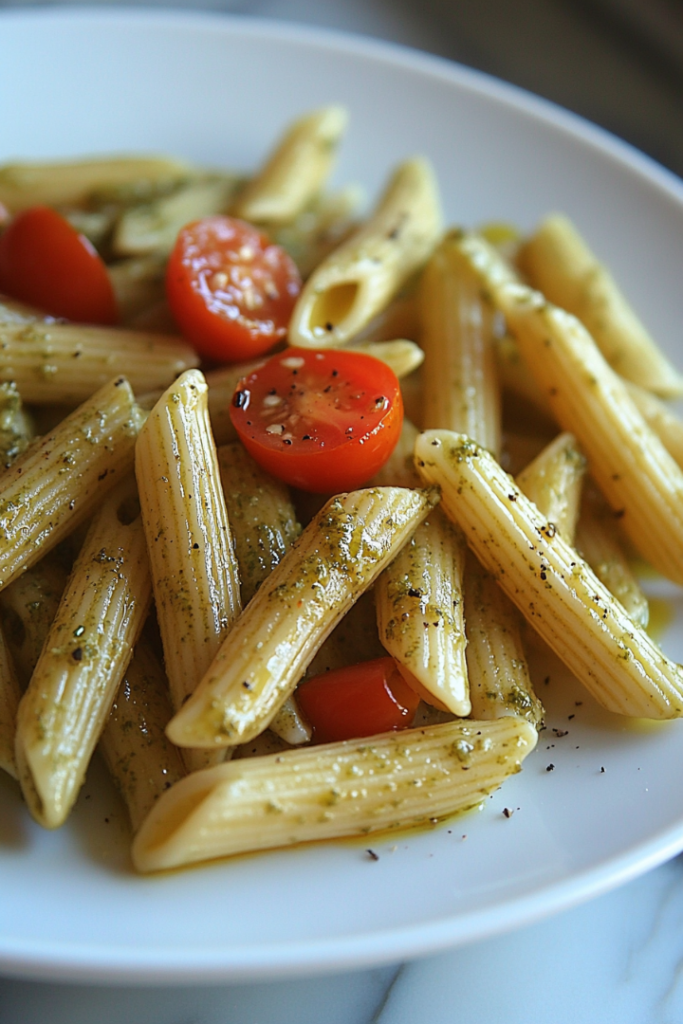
column 616, row 959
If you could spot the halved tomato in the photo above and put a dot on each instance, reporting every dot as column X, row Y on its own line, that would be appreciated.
column 230, row 289
column 324, row 421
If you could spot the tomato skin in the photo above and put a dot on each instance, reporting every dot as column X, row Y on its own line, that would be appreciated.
column 322, row 420
column 230, row 289
column 360, row 700
column 46, row 263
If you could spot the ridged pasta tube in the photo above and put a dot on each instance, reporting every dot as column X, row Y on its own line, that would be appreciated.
column 141, row 760
column 597, row 543
column 553, row 587
column 639, row 478
column 660, row 418
column 296, row 171
column 73, row 182
column 29, row 605
column 153, row 227
column 262, row 517
column 10, row 695
column 558, row 262
column 60, row 480
column 342, row 789
column 460, row 382
column 500, row 684
column 86, row 653
column 66, row 363
column 419, row 604
column 360, row 278
column 196, row 584
column 340, row 553
column 553, row 481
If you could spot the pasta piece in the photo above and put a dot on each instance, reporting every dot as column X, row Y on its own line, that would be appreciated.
column 660, row 418
column 420, row 614
column 364, row 274
column 637, row 475
column 60, row 480
column 72, row 183
column 138, row 283
column 500, row 684
column 16, row 428
column 553, row 482
column 319, row 228
column 86, row 653
column 29, row 606
column 66, row 363
column 460, row 382
column 154, row 227
column 597, row 543
column 339, row 555
column 553, row 587
column 261, row 514
column 296, row 171
column 141, row 761
column 289, row 724
column 558, row 262
column 399, row 469
column 10, row 695
column 401, row 355
column 515, row 378
column 196, row 584
column 342, row 789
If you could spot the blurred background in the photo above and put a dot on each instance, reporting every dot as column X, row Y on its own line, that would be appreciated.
column 618, row 63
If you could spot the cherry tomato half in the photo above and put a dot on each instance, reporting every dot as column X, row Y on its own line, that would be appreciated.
column 230, row 290
column 45, row 262
column 361, row 700
column 324, row 421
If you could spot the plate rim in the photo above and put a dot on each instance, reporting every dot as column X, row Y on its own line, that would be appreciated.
column 76, row 962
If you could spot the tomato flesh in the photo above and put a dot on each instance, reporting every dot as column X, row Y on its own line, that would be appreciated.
column 46, row 263
column 361, row 700
column 325, row 421
column 230, row 289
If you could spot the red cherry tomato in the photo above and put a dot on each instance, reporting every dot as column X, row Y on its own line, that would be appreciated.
column 360, row 700
column 230, row 290
column 46, row 263
column 324, row 421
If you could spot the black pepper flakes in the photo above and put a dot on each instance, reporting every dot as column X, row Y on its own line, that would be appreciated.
column 77, row 654
column 550, row 768
column 372, row 855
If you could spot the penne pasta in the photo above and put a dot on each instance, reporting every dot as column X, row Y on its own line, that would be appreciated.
column 66, row 363
column 386, row 782
column 363, row 275
column 419, row 604
column 460, row 382
column 59, row 481
column 500, row 683
column 16, row 427
column 637, row 475
column 141, row 761
column 597, row 543
column 558, row 262
column 29, row 605
column 553, row 481
column 86, row 653
column 557, row 592
column 74, row 182
column 194, row 571
column 296, row 171
column 262, row 517
column 338, row 556
column 153, row 228
column 659, row 417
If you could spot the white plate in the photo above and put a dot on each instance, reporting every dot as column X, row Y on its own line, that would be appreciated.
column 218, row 90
